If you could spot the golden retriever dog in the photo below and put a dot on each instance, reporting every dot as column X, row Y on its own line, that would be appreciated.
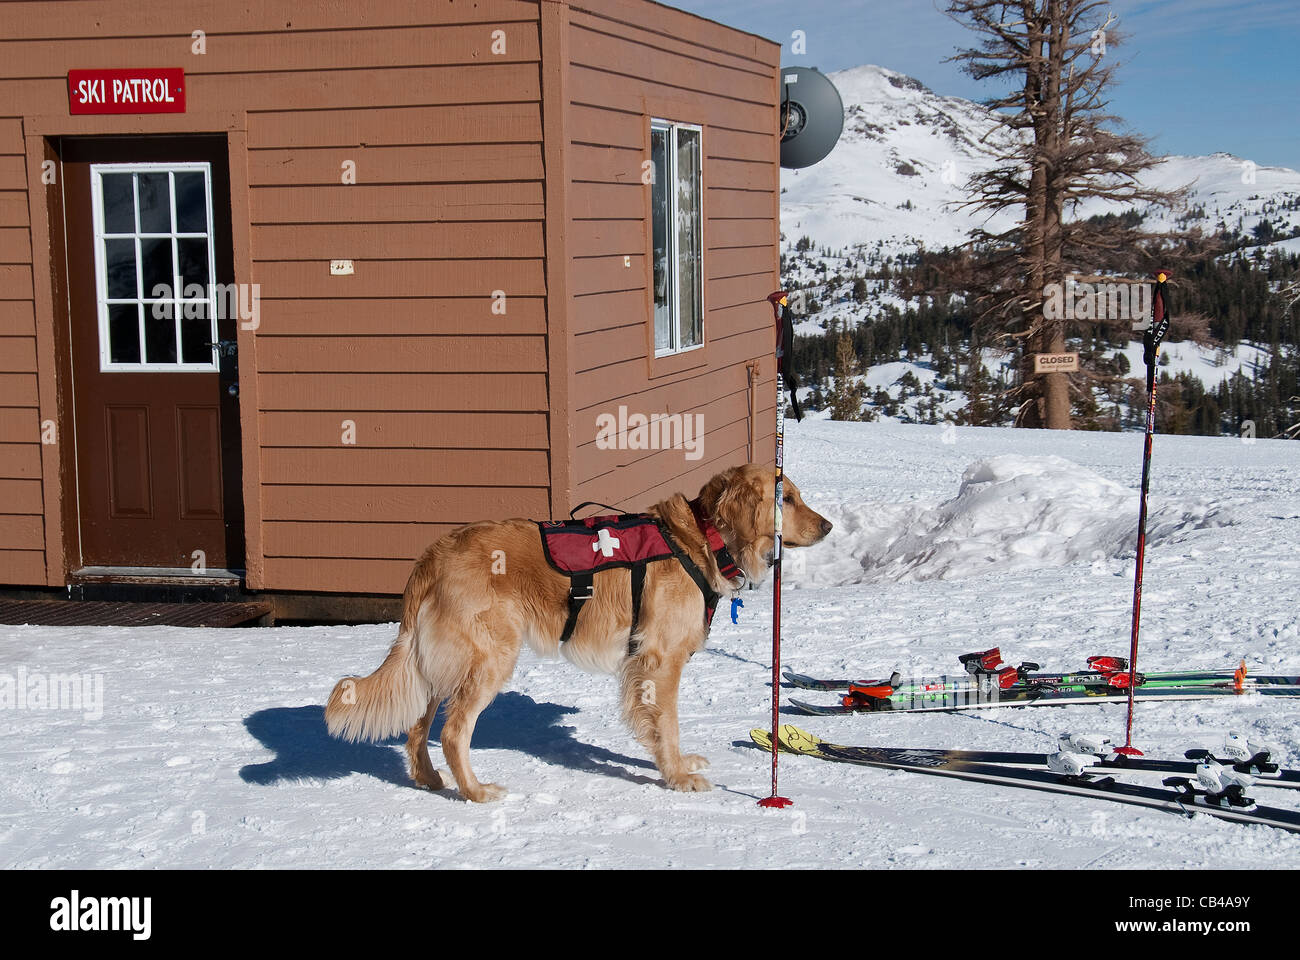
column 484, row 589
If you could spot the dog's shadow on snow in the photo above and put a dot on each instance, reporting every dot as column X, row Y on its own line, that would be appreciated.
column 304, row 750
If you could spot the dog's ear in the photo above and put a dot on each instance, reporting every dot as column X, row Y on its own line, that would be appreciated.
column 731, row 499
column 711, row 492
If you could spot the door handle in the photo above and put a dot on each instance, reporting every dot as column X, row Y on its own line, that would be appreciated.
column 225, row 348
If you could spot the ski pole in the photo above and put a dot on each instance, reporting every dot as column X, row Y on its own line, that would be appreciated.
column 1151, row 340
column 781, row 313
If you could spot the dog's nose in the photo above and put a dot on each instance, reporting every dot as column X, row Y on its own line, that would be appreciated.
column 826, row 526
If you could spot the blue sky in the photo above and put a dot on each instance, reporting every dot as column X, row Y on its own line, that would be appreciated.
column 1198, row 76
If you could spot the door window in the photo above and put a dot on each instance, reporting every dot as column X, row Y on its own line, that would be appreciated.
column 154, row 266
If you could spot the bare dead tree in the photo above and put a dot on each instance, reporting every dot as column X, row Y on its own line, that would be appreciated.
column 1061, row 148
column 1289, row 294
column 1292, row 432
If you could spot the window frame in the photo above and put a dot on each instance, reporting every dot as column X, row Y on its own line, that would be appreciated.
column 674, row 296
column 177, row 300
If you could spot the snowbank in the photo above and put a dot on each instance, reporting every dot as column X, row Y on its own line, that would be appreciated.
column 1012, row 512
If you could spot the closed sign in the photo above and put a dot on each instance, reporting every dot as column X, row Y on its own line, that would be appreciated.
column 1056, row 362
column 126, row 91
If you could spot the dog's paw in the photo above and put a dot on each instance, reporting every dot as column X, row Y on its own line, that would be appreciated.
column 430, row 779
column 690, row 783
column 694, row 763
column 486, row 793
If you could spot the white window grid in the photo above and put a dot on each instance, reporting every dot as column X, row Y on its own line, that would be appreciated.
column 177, row 300
column 674, row 299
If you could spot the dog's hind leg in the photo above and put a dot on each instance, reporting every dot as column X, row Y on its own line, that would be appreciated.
column 650, row 707
column 484, row 680
column 417, row 750
column 462, row 713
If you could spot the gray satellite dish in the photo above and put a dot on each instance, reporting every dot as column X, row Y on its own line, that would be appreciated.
column 812, row 116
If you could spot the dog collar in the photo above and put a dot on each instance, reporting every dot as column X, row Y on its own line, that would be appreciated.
column 722, row 556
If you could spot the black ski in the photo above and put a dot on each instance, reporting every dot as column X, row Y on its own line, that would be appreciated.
column 1267, row 773
column 1177, row 795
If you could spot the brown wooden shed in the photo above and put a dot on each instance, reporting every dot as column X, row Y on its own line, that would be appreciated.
column 422, row 256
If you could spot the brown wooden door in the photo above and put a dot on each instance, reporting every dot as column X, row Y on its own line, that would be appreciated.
column 155, row 380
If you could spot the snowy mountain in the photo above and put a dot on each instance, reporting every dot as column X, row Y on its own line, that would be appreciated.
column 896, row 183
column 896, row 179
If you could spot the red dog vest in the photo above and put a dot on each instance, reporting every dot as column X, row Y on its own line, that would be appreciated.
column 580, row 549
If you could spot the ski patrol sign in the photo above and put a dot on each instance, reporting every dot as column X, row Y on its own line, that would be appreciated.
column 126, row 91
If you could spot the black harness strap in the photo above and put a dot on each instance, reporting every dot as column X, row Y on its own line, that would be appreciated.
column 638, row 587
column 711, row 596
column 582, row 587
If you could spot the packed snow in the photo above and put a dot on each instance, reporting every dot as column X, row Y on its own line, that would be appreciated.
column 208, row 747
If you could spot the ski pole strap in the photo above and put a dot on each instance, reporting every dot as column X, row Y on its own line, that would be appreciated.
column 1159, row 326
column 785, row 360
column 784, row 346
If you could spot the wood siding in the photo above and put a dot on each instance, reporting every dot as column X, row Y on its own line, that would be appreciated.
column 22, row 501
column 632, row 60
column 447, row 400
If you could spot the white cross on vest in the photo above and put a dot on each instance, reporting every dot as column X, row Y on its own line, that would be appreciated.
column 605, row 543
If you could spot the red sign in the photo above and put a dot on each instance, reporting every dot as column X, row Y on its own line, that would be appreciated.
column 126, row 91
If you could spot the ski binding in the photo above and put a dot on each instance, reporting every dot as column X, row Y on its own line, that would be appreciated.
column 1070, row 763
column 1095, row 743
column 1231, row 796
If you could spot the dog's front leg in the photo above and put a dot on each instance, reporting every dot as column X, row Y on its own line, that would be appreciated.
column 650, row 706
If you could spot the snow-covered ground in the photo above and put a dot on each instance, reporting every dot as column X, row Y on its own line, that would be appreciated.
column 211, row 750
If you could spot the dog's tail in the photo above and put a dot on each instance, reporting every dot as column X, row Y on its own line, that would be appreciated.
column 395, row 696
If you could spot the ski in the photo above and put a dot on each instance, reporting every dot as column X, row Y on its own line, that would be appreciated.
column 1258, row 766
column 882, row 700
column 1177, row 794
column 1092, row 677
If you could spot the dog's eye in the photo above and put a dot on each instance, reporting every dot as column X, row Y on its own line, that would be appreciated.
column 789, row 498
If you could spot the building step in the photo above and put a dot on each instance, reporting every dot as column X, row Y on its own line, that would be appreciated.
column 98, row 613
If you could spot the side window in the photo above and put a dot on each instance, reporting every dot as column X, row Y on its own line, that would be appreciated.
column 154, row 267
column 677, row 236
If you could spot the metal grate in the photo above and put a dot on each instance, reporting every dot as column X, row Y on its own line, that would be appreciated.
column 101, row 613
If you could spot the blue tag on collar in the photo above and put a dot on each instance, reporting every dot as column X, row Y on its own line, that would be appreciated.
column 736, row 604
